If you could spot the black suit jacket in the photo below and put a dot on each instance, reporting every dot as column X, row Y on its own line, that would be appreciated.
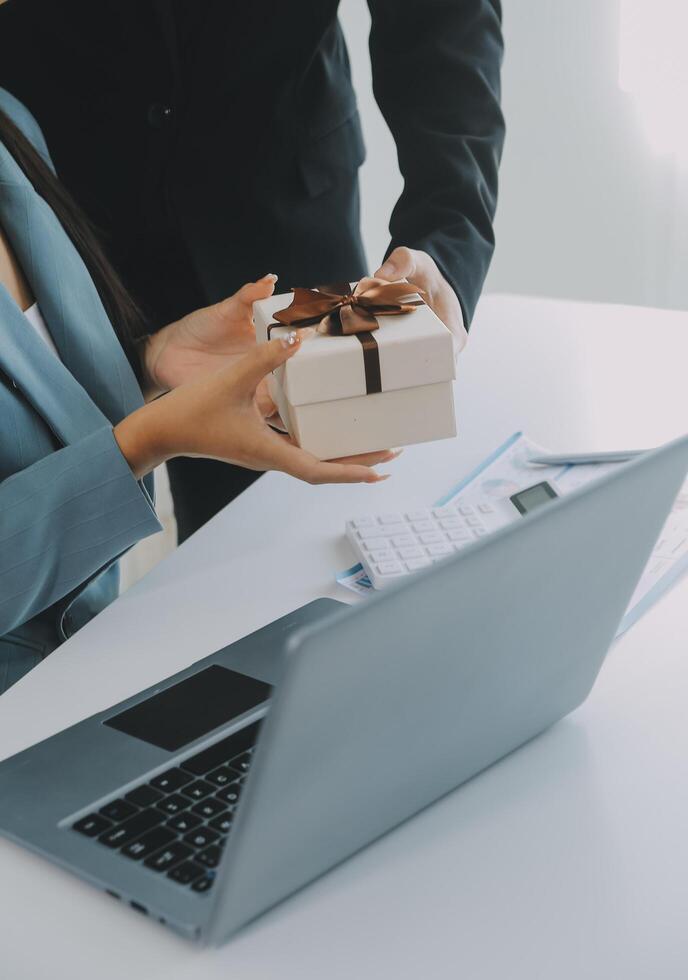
column 214, row 141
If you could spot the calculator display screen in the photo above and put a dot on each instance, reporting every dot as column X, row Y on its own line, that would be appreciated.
column 526, row 500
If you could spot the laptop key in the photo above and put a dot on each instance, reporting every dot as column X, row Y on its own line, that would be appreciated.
column 168, row 857
column 226, row 748
column 230, row 794
column 174, row 804
column 210, row 857
column 223, row 823
column 184, row 822
column 221, row 776
column 92, row 825
column 132, row 828
column 118, row 810
column 201, row 838
column 150, row 842
column 208, row 808
column 186, row 873
column 198, row 789
column 143, row 796
column 203, row 884
column 241, row 763
column 171, row 780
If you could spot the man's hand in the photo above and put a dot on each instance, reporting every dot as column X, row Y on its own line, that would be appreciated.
column 421, row 269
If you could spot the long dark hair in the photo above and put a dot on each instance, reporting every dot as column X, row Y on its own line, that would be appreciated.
column 124, row 313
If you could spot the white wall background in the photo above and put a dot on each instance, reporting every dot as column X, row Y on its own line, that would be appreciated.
column 589, row 208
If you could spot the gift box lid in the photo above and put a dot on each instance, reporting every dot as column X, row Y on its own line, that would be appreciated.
column 413, row 349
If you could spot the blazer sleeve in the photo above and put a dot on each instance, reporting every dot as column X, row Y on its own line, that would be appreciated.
column 436, row 77
column 64, row 518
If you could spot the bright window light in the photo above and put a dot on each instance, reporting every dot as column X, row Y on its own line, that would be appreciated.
column 653, row 68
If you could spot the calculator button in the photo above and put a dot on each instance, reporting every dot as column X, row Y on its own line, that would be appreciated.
column 479, row 531
column 431, row 537
column 485, row 509
column 417, row 515
column 423, row 526
column 460, row 534
column 375, row 531
column 403, row 540
column 392, row 518
column 450, row 523
column 375, row 544
column 474, row 522
column 436, row 550
column 389, row 568
column 444, row 512
column 384, row 554
column 466, row 511
column 413, row 551
column 413, row 564
column 364, row 522
column 391, row 530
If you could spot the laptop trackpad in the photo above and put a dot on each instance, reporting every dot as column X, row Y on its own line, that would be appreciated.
column 186, row 711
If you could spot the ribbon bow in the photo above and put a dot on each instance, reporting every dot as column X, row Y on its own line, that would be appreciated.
column 337, row 309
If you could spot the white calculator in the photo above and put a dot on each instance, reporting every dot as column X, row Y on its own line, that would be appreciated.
column 391, row 545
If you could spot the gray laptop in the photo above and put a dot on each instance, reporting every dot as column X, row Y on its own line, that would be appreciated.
column 214, row 795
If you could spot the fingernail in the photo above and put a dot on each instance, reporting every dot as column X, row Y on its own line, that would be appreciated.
column 271, row 276
column 395, row 453
column 379, row 477
column 290, row 339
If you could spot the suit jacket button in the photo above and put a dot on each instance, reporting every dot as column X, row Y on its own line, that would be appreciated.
column 159, row 115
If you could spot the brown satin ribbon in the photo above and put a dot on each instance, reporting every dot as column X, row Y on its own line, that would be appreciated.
column 338, row 310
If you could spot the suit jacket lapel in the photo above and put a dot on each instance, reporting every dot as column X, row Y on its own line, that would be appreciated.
column 43, row 379
column 95, row 369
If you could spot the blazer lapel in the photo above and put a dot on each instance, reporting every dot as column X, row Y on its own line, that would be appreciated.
column 44, row 380
column 94, row 369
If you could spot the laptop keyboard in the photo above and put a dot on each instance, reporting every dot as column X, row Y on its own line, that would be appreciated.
column 178, row 822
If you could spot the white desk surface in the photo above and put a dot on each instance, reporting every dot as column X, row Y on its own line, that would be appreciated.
column 567, row 860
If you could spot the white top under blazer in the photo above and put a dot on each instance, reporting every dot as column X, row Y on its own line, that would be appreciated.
column 35, row 318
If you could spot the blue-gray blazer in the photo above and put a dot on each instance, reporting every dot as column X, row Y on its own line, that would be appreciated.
column 69, row 504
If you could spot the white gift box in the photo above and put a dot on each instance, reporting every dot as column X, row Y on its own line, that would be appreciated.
column 323, row 393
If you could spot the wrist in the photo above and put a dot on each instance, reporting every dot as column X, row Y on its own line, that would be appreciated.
column 142, row 438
